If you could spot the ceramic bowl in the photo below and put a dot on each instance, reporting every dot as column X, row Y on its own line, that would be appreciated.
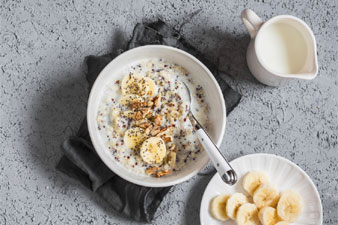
column 198, row 72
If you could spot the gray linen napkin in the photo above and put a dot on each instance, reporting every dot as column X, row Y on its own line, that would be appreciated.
column 83, row 164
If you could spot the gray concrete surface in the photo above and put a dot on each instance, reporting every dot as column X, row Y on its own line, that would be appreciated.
column 43, row 100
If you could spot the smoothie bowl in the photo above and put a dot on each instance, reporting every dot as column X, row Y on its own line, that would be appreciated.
column 137, row 115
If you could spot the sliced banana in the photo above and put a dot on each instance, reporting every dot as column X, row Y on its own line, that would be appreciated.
column 282, row 223
column 118, row 121
column 265, row 195
column 152, row 91
column 247, row 214
column 234, row 202
column 134, row 137
column 172, row 159
column 134, row 84
column 153, row 150
column 268, row 216
column 289, row 206
column 217, row 207
column 253, row 179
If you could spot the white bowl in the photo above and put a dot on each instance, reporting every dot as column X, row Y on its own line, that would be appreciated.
column 198, row 72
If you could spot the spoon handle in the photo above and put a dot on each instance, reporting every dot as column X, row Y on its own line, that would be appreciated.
column 222, row 166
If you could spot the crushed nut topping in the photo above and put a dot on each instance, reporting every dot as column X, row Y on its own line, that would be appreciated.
column 163, row 173
column 138, row 115
column 156, row 101
column 157, row 120
column 145, row 125
column 166, row 139
column 152, row 170
column 156, row 130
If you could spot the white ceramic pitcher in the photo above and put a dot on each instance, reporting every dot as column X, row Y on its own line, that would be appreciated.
column 281, row 49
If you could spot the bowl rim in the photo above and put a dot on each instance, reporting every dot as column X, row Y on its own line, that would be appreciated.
column 94, row 136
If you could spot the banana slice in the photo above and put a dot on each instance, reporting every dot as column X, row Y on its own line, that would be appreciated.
column 118, row 121
column 134, row 84
column 233, row 203
column 134, row 137
column 289, row 206
column 153, row 150
column 247, row 214
column 152, row 91
column 282, row 223
column 268, row 216
column 265, row 195
column 253, row 179
column 129, row 99
column 217, row 207
column 172, row 159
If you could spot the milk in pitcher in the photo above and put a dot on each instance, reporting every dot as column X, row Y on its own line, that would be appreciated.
column 282, row 48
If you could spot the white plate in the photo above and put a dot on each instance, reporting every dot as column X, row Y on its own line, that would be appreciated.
column 283, row 173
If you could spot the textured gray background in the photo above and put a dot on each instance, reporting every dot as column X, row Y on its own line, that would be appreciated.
column 43, row 100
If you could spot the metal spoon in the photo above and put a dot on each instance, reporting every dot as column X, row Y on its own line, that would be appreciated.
column 221, row 164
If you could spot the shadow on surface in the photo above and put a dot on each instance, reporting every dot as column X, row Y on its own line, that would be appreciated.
column 192, row 213
column 229, row 52
column 58, row 114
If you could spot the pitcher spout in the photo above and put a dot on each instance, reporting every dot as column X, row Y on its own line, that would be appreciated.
column 310, row 69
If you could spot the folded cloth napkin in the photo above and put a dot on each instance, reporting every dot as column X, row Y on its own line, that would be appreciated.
column 83, row 164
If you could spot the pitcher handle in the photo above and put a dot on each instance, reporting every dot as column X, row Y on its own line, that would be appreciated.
column 251, row 21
